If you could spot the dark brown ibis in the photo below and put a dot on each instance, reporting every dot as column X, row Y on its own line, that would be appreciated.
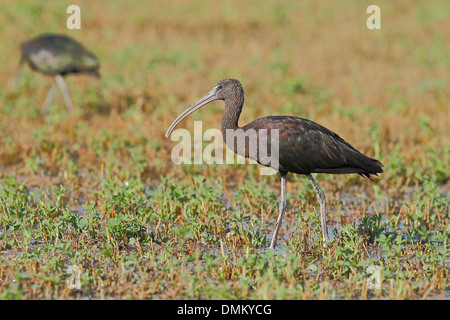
column 304, row 147
column 58, row 55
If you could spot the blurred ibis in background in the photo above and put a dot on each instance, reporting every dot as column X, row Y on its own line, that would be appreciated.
column 57, row 55
column 304, row 147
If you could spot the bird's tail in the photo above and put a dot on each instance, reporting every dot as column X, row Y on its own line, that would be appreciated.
column 370, row 167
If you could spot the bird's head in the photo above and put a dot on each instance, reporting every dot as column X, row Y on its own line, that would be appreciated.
column 228, row 89
column 225, row 89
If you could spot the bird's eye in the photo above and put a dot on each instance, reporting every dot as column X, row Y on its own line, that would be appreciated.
column 219, row 87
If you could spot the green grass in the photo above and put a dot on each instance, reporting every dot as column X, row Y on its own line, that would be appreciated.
column 180, row 241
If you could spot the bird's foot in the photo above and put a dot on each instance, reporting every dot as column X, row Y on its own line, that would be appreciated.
column 272, row 245
column 325, row 242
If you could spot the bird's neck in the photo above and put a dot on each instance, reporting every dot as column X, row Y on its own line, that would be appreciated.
column 230, row 118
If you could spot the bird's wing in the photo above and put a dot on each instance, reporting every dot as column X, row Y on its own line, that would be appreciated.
column 306, row 147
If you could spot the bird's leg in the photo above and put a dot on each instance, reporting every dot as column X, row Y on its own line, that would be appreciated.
column 282, row 209
column 48, row 99
column 323, row 218
column 19, row 69
column 63, row 88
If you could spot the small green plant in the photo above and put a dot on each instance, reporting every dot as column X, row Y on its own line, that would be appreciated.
column 370, row 227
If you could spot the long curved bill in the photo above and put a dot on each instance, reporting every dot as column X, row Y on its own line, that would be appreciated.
column 207, row 98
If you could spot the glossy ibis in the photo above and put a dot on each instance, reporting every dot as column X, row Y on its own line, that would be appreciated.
column 305, row 147
column 57, row 55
